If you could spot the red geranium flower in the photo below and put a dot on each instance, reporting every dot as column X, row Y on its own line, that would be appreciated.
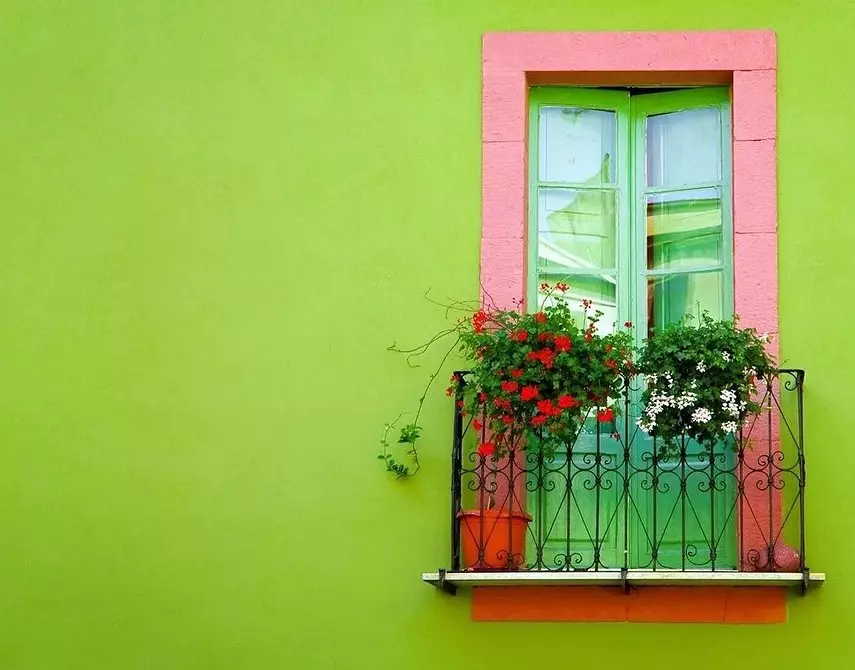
column 605, row 415
column 460, row 404
column 510, row 387
column 562, row 343
column 539, row 420
column 478, row 320
column 544, row 286
column 507, row 418
column 529, row 392
column 543, row 337
column 449, row 391
column 519, row 335
column 628, row 324
column 517, row 373
column 567, row 401
column 477, row 425
column 487, row 449
column 482, row 397
column 544, row 406
column 588, row 337
column 561, row 286
column 546, row 356
column 611, row 364
column 540, row 317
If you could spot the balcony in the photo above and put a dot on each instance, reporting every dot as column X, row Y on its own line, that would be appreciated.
column 616, row 507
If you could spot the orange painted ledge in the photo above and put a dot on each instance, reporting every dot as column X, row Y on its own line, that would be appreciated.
column 666, row 604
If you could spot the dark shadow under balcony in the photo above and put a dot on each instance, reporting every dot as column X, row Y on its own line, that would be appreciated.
column 615, row 506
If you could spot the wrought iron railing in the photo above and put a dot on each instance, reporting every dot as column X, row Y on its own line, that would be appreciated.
column 613, row 500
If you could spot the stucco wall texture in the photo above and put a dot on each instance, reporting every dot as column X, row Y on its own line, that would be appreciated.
column 215, row 218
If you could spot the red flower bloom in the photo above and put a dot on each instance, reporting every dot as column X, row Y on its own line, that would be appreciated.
column 628, row 324
column 510, row 387
column 477, row 425
column 502, row 403
column 588, row 336
column 449, row 391
column 519, row 335
column 516, row 373
column 482, row 397
column 611, row 364
column 566, row 401
column 545, row 356
column 587, row 303
column 605, row 415
column 529, row 392
column 460, row 404
column 487, row 449
column 562, row 343
column 507, row 418
column 544, row 286
column 478, row 320
column 561, row 286
column 540, row 317
column 544, row 406
column 539, row 420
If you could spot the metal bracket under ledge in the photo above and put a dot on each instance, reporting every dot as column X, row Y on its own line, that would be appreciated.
column 450, row 581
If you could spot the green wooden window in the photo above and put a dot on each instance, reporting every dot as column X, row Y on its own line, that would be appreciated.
column 629, row 204
column 630, row 201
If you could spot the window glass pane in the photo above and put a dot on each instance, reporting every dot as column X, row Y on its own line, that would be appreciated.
column 671, row 297
column 576, row 228
column 576, row 145
column 684, row 148
column 684, row 229
column 601, row 290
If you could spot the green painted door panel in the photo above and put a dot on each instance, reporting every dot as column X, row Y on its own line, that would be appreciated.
column 630, row 204
column 681, row 190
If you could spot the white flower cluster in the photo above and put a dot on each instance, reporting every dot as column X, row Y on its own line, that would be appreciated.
column 749, row 372
column 729, row 426
column 660, row 401
column 730, row 405
column 701, row 415
column 701, row 367
column 725, row 355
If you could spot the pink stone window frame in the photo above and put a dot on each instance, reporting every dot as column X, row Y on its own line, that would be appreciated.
column 745, row 60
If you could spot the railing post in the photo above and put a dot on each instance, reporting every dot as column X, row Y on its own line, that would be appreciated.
column 456, row 468
column 800, row 378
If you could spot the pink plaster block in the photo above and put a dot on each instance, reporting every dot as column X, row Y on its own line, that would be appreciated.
column 755, row 117
column 756, row 280
column 630, row 51
column 755, row 198
column 503, row 97
column 503, row 271
column 503, row 190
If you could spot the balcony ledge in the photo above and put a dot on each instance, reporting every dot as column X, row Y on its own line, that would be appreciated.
column 449, row 581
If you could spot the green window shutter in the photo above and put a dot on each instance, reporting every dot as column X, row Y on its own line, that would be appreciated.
column 579, row 210
column 629, row 203
column 682, row 237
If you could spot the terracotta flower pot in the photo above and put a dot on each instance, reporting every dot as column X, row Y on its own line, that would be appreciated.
column 493, row 539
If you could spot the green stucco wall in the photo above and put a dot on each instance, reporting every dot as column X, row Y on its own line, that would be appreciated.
column 215, row 216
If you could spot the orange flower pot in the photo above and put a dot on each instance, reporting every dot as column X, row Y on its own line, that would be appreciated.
column 493, row 539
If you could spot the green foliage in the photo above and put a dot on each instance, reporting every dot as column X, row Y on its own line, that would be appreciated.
column 701, row 380
column 532, row 374
column 542, row 373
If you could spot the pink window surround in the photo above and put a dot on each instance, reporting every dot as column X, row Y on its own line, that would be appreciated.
column 744, row 59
